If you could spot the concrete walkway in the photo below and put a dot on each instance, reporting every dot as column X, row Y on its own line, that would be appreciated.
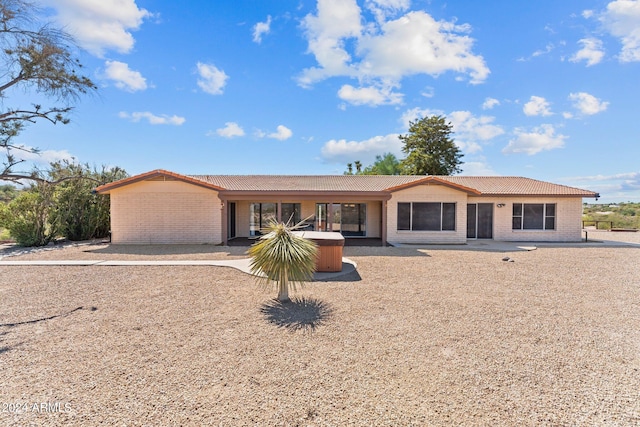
column 348, row 266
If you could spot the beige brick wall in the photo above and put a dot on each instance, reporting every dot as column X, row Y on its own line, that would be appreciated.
column 568, row 219
column 427, row 193
column 175, row 212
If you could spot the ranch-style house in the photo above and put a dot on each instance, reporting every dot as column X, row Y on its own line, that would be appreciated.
column 165, row 207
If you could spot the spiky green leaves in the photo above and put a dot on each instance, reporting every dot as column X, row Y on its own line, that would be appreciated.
column 284, row 258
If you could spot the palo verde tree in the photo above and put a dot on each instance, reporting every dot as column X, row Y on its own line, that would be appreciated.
column 35, row 58
column 430, row 149
column 283, row 257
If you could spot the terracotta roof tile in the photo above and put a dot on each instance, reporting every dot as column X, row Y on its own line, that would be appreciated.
column 485, row 185
column 305, row 182
column 514, row 185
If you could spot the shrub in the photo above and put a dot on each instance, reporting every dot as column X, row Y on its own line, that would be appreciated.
column 29, row 217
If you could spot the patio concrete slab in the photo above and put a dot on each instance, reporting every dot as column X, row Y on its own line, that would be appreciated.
column 495, row 246
column 244, row 265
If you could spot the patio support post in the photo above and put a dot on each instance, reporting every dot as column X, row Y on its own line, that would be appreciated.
column 329, row 221
column 279, row 209
column 225, row 221
column 383, row 232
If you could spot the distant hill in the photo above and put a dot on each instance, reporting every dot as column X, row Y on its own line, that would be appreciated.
column 623, row 215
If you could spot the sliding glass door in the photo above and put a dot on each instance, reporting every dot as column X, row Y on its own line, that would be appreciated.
column 259, row 216
column 350, row 219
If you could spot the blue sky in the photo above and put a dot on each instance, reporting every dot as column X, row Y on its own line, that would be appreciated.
column 546, row 89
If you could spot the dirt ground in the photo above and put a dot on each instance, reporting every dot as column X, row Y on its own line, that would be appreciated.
column 419, row 336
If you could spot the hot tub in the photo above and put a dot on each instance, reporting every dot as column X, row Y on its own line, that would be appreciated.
column 330, row 246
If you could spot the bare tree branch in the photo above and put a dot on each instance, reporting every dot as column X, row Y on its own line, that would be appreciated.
column 34, row 56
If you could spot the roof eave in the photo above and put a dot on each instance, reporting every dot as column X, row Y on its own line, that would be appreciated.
column 439, row 181
column 107, row 188
column 326, row 195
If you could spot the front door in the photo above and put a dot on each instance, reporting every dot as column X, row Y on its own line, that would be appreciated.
column 480, row 221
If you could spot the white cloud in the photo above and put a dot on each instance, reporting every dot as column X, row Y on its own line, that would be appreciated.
column 616, row 187
column 260, row 29
column 591, row 52
column 586, row 14
column 542, row 138
column 212, row 80
column 470, row 131
column 369, row 95
column 537, row 106
column 230, row 130
column 489, row 103
column 415, row 114
column 152, row 118
column 381, row 9
column 100, row 25
column 42, row 157
column 547, row 49
column 124, row 78
column 480, row 168
column 418, row 44
column 326, row 32
column 622, row 20
column 381, row 53
column 587, row 103
column 343, row 151
column 428, row 92
column 282, row 133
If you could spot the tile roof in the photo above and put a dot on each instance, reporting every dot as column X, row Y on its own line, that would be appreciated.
column 485, row 185
column 515, row 185
column 357, row 183
column 479, row 185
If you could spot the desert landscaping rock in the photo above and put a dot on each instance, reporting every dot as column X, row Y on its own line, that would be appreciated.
column 416, row 337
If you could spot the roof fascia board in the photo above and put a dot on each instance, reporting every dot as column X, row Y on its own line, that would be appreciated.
column 107, row 188
column 439, row 181
column 590, row 194
column 304, row 195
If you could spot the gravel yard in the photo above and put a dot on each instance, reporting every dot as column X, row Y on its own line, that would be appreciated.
column 418, row 337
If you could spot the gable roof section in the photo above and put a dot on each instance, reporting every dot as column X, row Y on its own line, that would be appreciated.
column 153, row 175
column 517, row 186
column 435, row 180
column 472, row 185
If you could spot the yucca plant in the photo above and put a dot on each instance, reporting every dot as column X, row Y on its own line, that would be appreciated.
column 283, row 257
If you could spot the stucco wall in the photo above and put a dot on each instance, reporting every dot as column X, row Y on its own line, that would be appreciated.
column 150, row 212
column 568, row 226
column 427, row 193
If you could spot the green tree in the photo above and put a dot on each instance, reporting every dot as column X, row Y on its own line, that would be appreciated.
column 8, row 192
column 387, row 164
column 36, row 58
column 358, row 165
column 80, row 213
column 29, row 216
column 430, row 149
column 283, row 257
column 349, row 170
column 61, row 203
